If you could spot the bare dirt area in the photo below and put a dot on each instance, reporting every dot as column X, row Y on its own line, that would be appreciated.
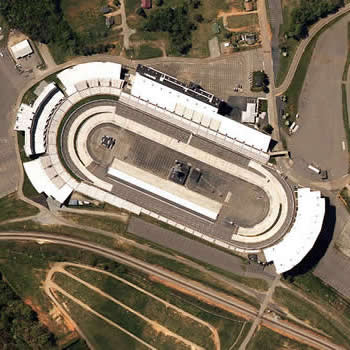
column 55, row 322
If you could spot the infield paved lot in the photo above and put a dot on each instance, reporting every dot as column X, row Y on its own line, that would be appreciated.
column 321, row 133
column 195, row 249
column 11, row 83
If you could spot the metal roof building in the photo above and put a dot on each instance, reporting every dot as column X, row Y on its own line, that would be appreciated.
column 21, row 49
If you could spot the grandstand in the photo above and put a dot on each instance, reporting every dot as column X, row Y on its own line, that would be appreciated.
column 159, row 122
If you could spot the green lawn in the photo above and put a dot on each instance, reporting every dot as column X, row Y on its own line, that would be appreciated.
column 266, row 339
column 146, row 51
column 248, row 20
column 117, row 314
column 92, row 326
column 149, row 307
column 12, row 208
column 317, row 290
column 307, row 312
column 228, row 325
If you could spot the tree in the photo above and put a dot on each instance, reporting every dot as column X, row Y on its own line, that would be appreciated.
column 198, row 17
column 141, row 12
column 159, row 2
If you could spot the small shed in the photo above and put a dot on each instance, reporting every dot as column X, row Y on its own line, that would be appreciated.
column 22, row 49
column 146, row 4
column 250, row 38
column 248, row 5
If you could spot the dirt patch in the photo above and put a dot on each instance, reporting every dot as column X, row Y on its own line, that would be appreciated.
column 243, row 29
column 15, row 37
column 209, row 302
column 51, row 321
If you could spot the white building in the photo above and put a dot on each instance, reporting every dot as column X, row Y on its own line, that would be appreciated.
column 22, row 49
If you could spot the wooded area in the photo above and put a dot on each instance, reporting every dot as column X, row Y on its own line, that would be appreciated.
column 176, row 22
column 309, row 12
column 19, row 324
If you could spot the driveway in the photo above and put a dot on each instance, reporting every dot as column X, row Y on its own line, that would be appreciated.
column 319, row 140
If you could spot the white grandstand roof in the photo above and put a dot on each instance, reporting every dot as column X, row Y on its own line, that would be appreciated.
column 303, row 235
column 42, row 183
column 186, row 106
column 43, row 121
column 47, row 89
column 21, row 49
column 90, row 72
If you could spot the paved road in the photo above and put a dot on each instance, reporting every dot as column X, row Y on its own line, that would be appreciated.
column 287, row 329
column 268, row 68
column 321, row 138
column 276, row 19
column 302, row 46
column 11, row 83
column 195, row 249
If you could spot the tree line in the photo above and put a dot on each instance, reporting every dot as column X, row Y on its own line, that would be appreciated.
column 307, row 13
column 44, row 21
column 19, row 324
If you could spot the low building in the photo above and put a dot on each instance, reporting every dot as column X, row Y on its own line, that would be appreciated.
column 250, row 38
column 146, row 4
column 248, row 5
column 22, row 49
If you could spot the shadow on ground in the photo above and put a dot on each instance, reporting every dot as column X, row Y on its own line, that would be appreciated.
column 321, row 245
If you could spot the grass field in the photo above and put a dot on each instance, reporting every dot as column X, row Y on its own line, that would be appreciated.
column 33, row 226
column 291, row 44
column 307, row 312
column 92, row 325
column 248, row 20
column 11, row 207
column 347, row 63
column 145, row 51
column 149, row 307
column 28, row 190
column 266, row 339
column 317, row 290
column 98, row 222
column 228, row 325
column 345, row 112
column 118, row 314
column 111, row 225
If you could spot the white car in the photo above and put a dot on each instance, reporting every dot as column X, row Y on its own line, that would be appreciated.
column 1, row 54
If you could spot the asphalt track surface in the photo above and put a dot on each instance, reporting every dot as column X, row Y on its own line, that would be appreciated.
column 293, row 331
column 219, row 229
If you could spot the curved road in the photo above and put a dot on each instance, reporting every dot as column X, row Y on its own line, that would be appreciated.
column 293, row 331
column 301, row 48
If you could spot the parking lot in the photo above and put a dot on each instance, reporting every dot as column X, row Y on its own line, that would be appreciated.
column 220, row 76
column 11, row 83
column 321, row 140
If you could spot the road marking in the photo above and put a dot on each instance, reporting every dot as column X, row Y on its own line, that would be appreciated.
column 343, row 145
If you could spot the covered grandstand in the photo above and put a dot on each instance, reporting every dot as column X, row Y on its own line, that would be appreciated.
column 184, row 120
